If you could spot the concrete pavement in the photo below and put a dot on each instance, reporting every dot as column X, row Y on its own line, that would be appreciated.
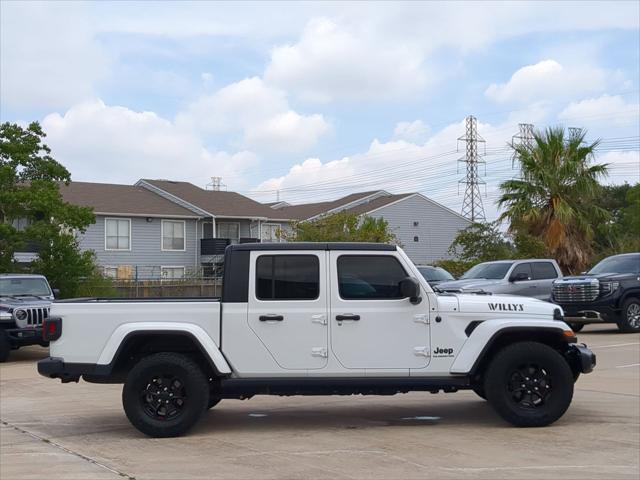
column 79, row 431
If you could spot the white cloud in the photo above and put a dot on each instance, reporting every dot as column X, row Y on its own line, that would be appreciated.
column 50, row 57
column 416, row 131
column 332, row 61
column 624, row 166
column 548, row 80
column 592, row 111
column 260, row 112
column 116, row 144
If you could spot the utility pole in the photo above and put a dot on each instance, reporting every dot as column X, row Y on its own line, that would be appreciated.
column 524, row 138
column 472, row 204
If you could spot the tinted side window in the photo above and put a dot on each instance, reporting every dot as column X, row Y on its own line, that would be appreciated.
column 522, row 268
column 373, row 277
column 544, row 270
column 287, row 277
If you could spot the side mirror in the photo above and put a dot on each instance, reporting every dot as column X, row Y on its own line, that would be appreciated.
column 409, row 287
column 56, row 292
column 519, row 277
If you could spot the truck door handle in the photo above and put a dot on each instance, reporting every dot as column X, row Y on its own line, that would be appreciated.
column 347, row 316
column 271, row 318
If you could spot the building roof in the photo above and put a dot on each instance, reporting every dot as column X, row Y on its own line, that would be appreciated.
column 115, row 199
column 217, row 202
column 362, row 205
column 309, row 210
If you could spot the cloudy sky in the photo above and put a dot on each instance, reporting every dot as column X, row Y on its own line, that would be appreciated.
column 317, row 100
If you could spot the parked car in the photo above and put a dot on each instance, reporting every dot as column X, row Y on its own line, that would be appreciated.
column 608, row 293
column 24, row 304
column 529, row 278
column 435, row 275
column 317, row 319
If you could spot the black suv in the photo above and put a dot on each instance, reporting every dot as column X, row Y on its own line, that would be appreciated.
column 24, row 304
column 609, row 293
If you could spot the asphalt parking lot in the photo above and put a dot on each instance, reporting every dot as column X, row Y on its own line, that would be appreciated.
column 79, row 431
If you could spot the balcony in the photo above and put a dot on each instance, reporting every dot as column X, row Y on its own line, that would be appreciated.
column 213, row 246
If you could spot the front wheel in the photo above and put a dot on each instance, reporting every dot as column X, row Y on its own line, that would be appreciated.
column 5, row 346
column 576, row 327
column 629, row 321
column 165, row 394
column 529, row 384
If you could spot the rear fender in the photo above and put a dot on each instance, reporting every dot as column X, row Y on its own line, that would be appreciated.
column 489, row 331
column 207, row 344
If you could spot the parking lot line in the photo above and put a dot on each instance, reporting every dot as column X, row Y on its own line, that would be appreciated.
column 630, row 365
column 616, row 345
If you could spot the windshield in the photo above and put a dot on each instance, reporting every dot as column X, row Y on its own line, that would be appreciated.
column 488, row 271
column 621, row 264
column 24, row 286
column 432, row 274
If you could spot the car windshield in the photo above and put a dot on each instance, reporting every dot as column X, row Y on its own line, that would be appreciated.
column 24, row 286
column 432, row 274
column 618, row 264
column 488, row 271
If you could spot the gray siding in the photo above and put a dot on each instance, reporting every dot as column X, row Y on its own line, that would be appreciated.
column 145, row 250
column 436, row 229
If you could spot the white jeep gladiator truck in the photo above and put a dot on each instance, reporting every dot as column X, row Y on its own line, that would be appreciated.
column 317, row 319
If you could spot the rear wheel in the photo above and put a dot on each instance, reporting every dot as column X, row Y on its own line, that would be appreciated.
column 478, row 388
column 629, row 321
column 5, row 346
column 165, row 394
column 213, row 401
column 529, row 384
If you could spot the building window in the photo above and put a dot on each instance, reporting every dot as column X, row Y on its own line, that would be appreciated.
column 287, row 277
column 271, row 232
column 172, row 272
column 416, row 239
column 228, row 230
column 117, row 232
column 371, row 277
column 415, row 224
column 110, row 272
column 173, row 233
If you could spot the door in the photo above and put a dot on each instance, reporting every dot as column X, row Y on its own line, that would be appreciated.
column 527, row 286
column 372, row 326
column 288, row 307
column 544, row 273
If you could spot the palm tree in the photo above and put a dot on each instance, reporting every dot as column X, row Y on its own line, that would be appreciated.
column 555, row 200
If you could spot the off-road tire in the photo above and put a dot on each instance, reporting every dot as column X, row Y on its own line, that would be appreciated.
column 628, row 321
column 5, row 346
column 576, row 327
column 508, row 371
column 146, row 387
column 213, row 401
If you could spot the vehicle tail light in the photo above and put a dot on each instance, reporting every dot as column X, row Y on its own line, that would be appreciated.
column 51, row 329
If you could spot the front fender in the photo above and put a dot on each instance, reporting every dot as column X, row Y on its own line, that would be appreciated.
column 483, row 335
column 195, row 331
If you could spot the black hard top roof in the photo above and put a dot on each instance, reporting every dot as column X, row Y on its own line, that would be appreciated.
column 314, row 246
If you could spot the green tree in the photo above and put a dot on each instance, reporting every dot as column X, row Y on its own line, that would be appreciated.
column 556, row 199
column 481, row 242
column 342, row 227
column 29, row 192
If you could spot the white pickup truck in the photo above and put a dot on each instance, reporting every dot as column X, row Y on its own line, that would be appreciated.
column 317, row 319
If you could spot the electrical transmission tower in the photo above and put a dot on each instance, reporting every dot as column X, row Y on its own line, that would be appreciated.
column 524, row 138
column 216, row 184
column 472, row 204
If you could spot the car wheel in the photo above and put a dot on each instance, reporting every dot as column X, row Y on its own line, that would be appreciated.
column 165, row 394
column 479, row 390
column 576, row 327
column 5, row 346
column 629, row 321
column 529, row 384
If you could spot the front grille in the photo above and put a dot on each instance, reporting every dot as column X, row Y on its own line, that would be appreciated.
column 576, row 292
column 35, row 316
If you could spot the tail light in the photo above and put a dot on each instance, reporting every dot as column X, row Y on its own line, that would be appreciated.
column 51, row 329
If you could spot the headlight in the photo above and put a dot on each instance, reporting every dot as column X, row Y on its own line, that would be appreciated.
column 20, row 314
column 607, row 288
